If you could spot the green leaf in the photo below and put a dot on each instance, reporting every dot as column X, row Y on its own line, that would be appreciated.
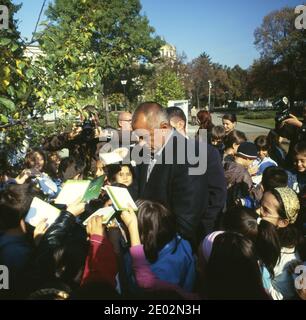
column 14, row 47
column 5, row 41
column 3, row 119
column 8, row 104
column 29, row 73
column 10, row 90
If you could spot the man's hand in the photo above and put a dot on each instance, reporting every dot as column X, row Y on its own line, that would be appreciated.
column 95, row 226
column 293, row 120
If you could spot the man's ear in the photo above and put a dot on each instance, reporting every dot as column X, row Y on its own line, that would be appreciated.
column 283, row 223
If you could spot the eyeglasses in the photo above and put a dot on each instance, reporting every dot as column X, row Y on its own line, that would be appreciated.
column 127, row 120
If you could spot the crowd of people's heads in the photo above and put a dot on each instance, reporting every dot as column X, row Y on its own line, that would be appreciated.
column 258, row 235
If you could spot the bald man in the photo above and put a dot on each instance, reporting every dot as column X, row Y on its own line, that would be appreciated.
column 169, row 183
column 125, row 131
column 125, row 121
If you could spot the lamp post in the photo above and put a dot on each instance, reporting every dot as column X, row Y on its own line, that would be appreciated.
column 124, row 82
column 226, row 97
column 209, row 93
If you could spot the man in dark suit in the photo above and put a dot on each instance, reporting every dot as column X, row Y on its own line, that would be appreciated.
column 168, row 173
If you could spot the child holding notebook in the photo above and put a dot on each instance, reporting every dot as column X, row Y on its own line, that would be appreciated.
column 169, row 256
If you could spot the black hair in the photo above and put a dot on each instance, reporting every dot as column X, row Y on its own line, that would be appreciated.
column 217, row 132
column 61, row 262
column 157, row 227
column 300, row 148
column 29, row 160
column 261, row 143
column 236, row 137
column 176, row 112
column 69, row 261
column 274, row 177
column 273, row 139
column 233, row 271
column 242, row 220
column 112, row 170
column 52, row 167
column 271, row 239
column 71, row 167
column 15, row 202
column 230, row 116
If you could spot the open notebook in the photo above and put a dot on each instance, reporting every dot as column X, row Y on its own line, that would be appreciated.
column 116, row 156
column 121, row 198
column 106, row 213
column 80, row 189
column 41, row 210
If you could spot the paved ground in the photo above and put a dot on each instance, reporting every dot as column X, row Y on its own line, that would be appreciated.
column 251, row 131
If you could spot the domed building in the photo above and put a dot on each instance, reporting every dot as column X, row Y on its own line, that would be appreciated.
column 168, row 51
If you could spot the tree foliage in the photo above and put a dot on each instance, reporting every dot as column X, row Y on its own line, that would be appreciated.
column 19, row 97
column 89, row 45
column 283, row 56
column 227, row 83
column 165, row 81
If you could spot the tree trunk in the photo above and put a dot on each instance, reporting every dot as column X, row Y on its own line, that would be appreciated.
column 198, row 100
column 105, row 105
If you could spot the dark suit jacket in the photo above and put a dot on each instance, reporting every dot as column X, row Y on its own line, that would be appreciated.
column 187, row 196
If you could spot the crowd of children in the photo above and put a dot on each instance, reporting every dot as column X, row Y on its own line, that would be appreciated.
column 252, row 254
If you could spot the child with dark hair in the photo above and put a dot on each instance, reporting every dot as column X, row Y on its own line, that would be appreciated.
column 239, row 181
column 232, row 270
column 245, row 221
column 279, row 238
column 272, row 177
column 71, row 168
column 297, row 177
column 232, row 142
column 119, row 173
column 53, row 162
column 61, row 252
column 34, row 163
column 264, row 161
column 35, row 171
column 241, row 220
column 216, row 139
column 277, row 152
column 153, row 232
column 15, row 247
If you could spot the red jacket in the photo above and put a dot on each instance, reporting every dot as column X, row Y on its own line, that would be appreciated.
column 101, row 263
